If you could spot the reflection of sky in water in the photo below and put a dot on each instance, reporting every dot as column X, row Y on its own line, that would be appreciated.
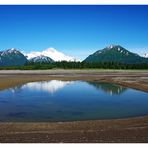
column 54, row 85
column 57, row 100
column 49, row 87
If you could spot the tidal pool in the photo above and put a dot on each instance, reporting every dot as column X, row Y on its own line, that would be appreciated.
column 70, row 101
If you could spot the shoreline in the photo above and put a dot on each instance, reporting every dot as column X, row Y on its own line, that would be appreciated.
column 126, row 130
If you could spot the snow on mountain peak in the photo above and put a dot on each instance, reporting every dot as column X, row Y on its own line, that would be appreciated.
column 9, row 51
column 52, row 53
column 12, row 49
column 145, row 55
column 51, row 49
column 41, row 58
column 112, row 46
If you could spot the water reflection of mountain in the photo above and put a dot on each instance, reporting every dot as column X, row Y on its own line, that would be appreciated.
column 47, row 86
column 108, row 87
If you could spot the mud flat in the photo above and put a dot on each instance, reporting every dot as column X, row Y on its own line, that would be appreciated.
column 96, row 131
column 133, row 130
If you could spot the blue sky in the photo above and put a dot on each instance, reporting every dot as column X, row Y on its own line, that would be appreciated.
column 75, row 30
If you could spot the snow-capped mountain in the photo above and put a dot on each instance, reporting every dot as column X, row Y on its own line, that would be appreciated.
column 52, row 53
column 41, row 59
column 12, row 57
column 9, row 51
column 115, row 53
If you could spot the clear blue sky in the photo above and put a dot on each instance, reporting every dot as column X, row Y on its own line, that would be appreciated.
column 75, row 30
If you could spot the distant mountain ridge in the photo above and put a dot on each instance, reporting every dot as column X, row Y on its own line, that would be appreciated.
column 41, row 59
column 115, row 53
column 12, row 57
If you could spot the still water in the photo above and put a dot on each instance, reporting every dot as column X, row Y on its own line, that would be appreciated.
column 71, row 100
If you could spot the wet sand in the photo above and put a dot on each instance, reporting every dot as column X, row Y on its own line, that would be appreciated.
column 121, row 130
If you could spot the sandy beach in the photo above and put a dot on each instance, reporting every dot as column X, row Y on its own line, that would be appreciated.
column 97, row 131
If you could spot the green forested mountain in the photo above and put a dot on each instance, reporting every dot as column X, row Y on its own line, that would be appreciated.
column 116, row 53
column 12, row 57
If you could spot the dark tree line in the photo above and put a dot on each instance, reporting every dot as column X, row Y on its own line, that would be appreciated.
column 78, row 65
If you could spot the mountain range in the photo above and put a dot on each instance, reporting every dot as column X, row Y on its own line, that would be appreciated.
column 112, row 53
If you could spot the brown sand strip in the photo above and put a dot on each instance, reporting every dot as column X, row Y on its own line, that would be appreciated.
column 113, row 131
